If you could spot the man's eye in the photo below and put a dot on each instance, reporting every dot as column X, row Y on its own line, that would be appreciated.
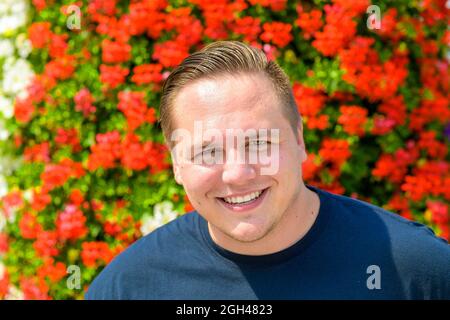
column 209, row 152
column 259, row 143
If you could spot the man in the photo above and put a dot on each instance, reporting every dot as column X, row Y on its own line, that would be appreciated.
column 258, row 231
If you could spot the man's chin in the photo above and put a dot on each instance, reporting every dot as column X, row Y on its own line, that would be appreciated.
column 248, row 233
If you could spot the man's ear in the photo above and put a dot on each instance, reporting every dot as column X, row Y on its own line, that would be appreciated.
column 301, row 140
column 177, row 174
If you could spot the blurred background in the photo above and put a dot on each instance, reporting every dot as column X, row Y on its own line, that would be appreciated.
column 84, row 171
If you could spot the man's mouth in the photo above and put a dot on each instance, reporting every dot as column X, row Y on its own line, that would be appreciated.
column 244, row 202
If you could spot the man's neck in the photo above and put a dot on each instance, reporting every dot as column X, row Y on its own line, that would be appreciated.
column 293, row 226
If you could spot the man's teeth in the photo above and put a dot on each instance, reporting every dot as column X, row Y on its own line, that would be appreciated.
column 243, row 199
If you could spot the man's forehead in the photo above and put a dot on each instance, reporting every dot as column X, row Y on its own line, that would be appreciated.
column 225, row 93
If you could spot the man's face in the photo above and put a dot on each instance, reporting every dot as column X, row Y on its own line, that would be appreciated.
column 223, row 191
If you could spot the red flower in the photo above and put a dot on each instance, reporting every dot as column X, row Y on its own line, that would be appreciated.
column 353, row 119
column 61, row 68
column 11, row 201
column 133, row 105
column 389, row 26
column 68, row 137
column 112, row 228
column 102, row 7
column 146, row 16
column 156, row 154
column 373, row 80
column 76, row 168
column 39, row 4
column 401, row 204
column 188, row 207
column 34, row 289
column 117, row 29
column 338, row 31
column 151, row 115
column 417, row 186
column 309, row 22
column 37, row 153
column 45, row 244
column 106, row 151
column 70, row 223
column 133, row 155
column 433, row 147
column 395, row 113
column 335, row 150
column 170, row 53
column 247, row 26
column 439, row 212
column 95, row 253
column 55, row 175
column 53, row 271
column 333, row 187
column 113, row 76
column 36, row 90
column 4, row 245
column 29, row 226
column 76, row 197
column 4, row 284
column 147, row 73
column 310, row 167
column 40, row 200
column 320, row 122
column 58, row 45
column 275, row 5
column 115, row 52
column 83, row 102
column 310, row 102
column 278, row 33
column 40, row 34
column 387, row 167
column 23, row 109
column 430, row 109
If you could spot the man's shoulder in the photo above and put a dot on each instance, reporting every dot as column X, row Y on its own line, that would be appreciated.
column 395, row 224
column 153, row 252
column 408, row 241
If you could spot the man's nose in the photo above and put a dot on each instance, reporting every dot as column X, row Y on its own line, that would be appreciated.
column 236, row 170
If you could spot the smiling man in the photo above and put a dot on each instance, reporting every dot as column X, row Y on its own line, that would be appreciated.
column 258, row 231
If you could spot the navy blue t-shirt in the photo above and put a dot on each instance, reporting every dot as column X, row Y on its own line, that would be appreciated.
column 354, row 250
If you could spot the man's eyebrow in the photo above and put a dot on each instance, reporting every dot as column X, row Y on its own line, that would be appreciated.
column 202, row 145
column 209, row 142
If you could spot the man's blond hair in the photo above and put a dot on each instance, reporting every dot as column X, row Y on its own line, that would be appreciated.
column 225, row 58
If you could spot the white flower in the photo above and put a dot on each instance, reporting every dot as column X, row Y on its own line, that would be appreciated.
column 162, row 213
column 28, row 195
column 19, row 6
column 4, row 134
column 6, row 48
column 13, row 15
column 23, row 45
column 14, row 294
column 2, row 270
column 6, row 107
column 10, row 23
column 12, row 6
column 2, row 226
column 16, row 76
column 3, row 186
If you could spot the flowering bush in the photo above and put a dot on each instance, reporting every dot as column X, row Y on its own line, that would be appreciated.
column 95, row 175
